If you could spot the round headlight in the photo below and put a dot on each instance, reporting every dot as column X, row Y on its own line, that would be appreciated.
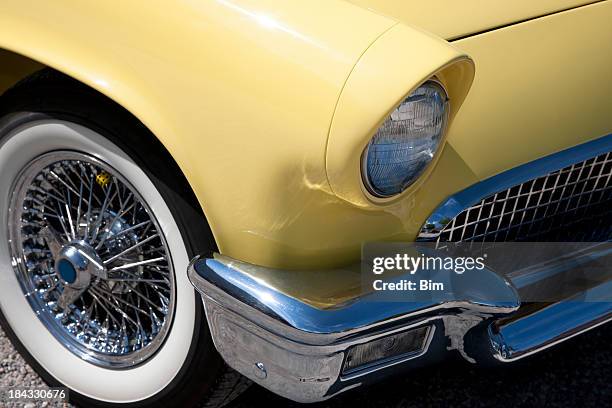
column 406, row 142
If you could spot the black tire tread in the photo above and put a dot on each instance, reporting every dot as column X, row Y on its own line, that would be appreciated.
column 228, row 387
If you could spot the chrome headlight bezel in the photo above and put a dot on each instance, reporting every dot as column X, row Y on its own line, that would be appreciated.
column 412, row 177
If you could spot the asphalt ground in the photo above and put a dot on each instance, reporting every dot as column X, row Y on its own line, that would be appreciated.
column 577, row 373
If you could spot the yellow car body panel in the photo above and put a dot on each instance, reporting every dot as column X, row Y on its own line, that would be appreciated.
column 243, row 94
column 452, row 19
column 554, row 90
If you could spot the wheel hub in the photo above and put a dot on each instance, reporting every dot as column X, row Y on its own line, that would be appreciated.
column 76, row 263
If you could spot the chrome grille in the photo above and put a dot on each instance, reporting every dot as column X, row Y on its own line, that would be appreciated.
column 573, row 204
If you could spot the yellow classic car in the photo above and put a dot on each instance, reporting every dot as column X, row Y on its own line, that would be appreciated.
column 251, row 148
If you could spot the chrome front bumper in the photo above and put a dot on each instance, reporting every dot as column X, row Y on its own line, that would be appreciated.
column 299, row 351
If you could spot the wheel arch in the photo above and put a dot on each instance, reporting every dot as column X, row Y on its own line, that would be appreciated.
column 16, row 63
column 17, row 68
column 14, row 67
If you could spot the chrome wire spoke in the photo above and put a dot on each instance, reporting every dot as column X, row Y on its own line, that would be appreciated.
column 94, row 260
column 135, row 264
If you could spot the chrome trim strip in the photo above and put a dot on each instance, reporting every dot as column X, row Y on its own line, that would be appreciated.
column 458, row 202
column 552, row 325
column 522, row 278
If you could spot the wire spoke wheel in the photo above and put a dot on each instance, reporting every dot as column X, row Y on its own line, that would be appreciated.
column 91, row 259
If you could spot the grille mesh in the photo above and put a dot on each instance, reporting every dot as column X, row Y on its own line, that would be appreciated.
column 573, row 204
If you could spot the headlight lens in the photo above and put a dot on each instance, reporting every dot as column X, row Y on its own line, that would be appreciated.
column 406, row 143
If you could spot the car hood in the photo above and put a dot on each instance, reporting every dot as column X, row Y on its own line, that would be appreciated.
column 452, row 19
